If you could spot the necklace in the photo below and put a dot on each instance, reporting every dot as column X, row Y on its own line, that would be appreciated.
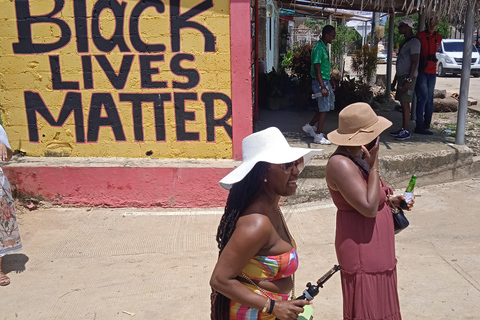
column 294, row 244
column 290, row 237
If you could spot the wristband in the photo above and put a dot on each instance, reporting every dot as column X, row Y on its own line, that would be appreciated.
column 272, row 304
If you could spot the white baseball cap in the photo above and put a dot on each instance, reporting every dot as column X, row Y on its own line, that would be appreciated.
column 408, row 21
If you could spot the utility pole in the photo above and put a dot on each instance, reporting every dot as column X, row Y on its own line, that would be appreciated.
column 465, row 80
column 373, row 37
column 391, row 26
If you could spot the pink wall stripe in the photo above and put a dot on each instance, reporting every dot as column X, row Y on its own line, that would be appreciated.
column 166, row 187
column 240, row 52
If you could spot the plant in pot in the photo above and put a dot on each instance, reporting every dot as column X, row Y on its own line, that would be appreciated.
column 364, row 63
column 301, row 64
column 276, row 87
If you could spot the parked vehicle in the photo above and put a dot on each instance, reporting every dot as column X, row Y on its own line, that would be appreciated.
column 382, row 56
column 450, row 58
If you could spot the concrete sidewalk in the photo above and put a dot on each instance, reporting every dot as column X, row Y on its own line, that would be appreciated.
column 103, row 264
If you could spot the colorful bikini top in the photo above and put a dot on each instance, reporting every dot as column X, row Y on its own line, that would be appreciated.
column 268, row 268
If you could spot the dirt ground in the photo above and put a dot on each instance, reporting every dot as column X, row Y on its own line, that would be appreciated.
column 127, row 263
column 446, row 123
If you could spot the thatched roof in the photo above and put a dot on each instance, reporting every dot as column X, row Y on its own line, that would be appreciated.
column 455, row 10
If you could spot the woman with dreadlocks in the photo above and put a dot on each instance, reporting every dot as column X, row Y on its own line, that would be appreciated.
column 258, row 258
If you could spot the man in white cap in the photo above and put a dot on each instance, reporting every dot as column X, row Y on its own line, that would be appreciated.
column 407, row 71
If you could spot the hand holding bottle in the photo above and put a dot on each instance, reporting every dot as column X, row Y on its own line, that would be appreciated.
column 407, row 200
column 399, row 201
column 408, row 194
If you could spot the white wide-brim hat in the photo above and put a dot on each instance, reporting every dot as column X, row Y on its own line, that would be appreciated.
column 270, row 146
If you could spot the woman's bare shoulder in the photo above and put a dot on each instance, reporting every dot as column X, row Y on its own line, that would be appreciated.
column 254, row 219
column 339, row 163
column 339, row 169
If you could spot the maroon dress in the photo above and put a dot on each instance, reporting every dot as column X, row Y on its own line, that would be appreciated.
column 366, row 250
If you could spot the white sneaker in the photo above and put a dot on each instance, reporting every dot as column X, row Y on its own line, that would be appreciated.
column 311, row 130
column 320, row 139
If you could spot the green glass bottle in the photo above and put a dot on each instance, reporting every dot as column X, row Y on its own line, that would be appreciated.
column 408, row 194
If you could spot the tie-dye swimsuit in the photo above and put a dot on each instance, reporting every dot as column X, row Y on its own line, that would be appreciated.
column 265, row 268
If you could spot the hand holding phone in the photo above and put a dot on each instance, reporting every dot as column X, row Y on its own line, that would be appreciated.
column 376, row 142
column 371, row 146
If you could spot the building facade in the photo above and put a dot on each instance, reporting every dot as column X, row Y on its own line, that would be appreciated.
column 125, row 79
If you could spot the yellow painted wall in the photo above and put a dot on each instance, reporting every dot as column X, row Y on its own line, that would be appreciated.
column 26, row 80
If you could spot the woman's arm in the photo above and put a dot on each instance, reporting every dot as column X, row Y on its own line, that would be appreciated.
column 251, row 234
column 342, row 175
column 5, row 153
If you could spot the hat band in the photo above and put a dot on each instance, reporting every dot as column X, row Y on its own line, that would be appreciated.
column 359, row 131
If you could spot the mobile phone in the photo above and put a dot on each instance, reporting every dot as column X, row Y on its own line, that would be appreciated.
column 377, row 142
column 372, row 145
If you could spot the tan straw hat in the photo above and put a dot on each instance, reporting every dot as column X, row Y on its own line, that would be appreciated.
column 358, row 125
column 270, row 146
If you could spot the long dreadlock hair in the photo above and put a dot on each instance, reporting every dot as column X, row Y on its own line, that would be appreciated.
column 240, row 197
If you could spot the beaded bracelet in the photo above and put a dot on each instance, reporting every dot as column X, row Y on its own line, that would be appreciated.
column 267, row 304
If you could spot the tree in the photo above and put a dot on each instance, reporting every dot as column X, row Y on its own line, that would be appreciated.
column 444, row 27
column 339, row 44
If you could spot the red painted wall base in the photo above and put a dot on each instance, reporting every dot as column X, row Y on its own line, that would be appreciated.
column 166, row 187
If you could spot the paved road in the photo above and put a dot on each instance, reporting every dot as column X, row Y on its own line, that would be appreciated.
column 155, row 264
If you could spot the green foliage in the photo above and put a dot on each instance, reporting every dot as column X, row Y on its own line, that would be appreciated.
column 315, row 24
column 444, row 27
column 275, row 82
column 397, row 37
column 364, row 63
column 287, row 60
column 301, row 61
column 344, row 35
column 350, row 91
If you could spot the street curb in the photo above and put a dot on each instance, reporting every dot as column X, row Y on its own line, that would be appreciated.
column 431, row 168
column 126, row 182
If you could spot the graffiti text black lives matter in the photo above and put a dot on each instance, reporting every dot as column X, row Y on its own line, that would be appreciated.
column 177, row 91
